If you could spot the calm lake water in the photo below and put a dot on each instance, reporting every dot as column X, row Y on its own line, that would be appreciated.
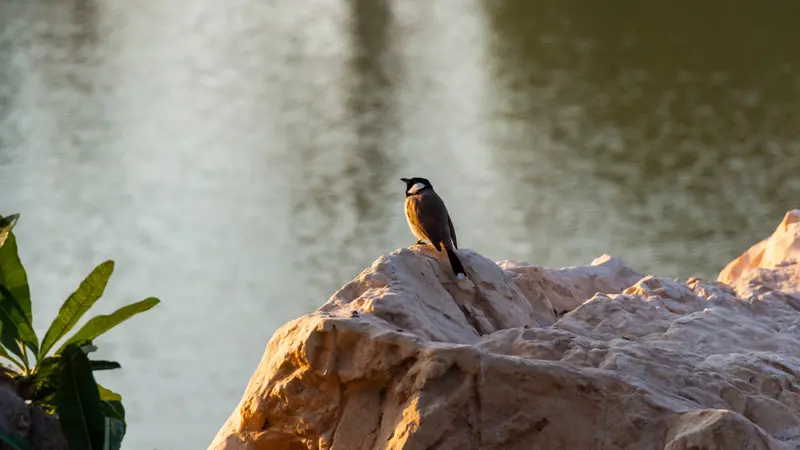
column 241, row 159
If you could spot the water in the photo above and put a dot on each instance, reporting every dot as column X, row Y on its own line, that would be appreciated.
column 241, row 159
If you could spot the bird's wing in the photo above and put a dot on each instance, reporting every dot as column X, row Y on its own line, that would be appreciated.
column 430, row 216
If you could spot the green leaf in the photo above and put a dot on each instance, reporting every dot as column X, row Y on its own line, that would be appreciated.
column 100, row 324
column 105, row 365
column 12, row 274
column 115, row 432
column 78, row 403
column 6, row 224
column 9, row 335
column 19, row 326
column 110, row 396
column 115, row 425
column 4, row 353
column 89, row 291
column 115, row 413
column 13, row 441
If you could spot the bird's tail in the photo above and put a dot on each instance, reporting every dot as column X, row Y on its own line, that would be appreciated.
column 455, row 263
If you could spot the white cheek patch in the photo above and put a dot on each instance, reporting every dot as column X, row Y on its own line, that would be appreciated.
column 416, row 188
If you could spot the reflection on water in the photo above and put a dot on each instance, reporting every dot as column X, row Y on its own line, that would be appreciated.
column 241, row 160
column 678, row 139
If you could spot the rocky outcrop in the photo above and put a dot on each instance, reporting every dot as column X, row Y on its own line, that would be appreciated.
column 522, row 357
column 25, row 423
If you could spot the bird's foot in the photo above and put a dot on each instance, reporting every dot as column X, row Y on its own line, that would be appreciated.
column 420, row 242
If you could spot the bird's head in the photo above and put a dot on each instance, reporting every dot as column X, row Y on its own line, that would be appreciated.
column 415, row 185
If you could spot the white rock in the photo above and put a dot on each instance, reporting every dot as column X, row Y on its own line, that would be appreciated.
column 407, row 356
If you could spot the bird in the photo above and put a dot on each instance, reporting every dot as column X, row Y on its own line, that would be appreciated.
column 429, row 220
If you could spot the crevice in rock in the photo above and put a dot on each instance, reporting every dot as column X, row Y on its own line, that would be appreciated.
column 403, row 367
column 371, row 438
column 489, row 312
column 339, row 413
column 439, row 442
column 476, row 395
column 470, row 319
column 382, row 407
column 540, row 424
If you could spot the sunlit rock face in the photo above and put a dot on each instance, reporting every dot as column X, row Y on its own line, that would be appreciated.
column 406, row 356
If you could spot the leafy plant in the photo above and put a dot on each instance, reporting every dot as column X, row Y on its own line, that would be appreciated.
column 62, row 382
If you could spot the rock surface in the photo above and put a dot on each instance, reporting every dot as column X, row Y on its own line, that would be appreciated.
column 27, row 423
column 522, row 357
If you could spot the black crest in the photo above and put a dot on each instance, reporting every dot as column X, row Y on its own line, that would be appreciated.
column 412, row 181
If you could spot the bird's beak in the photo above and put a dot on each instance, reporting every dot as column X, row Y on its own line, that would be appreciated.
column 404, row 180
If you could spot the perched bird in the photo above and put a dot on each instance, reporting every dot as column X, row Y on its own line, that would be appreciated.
column 429, row 220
